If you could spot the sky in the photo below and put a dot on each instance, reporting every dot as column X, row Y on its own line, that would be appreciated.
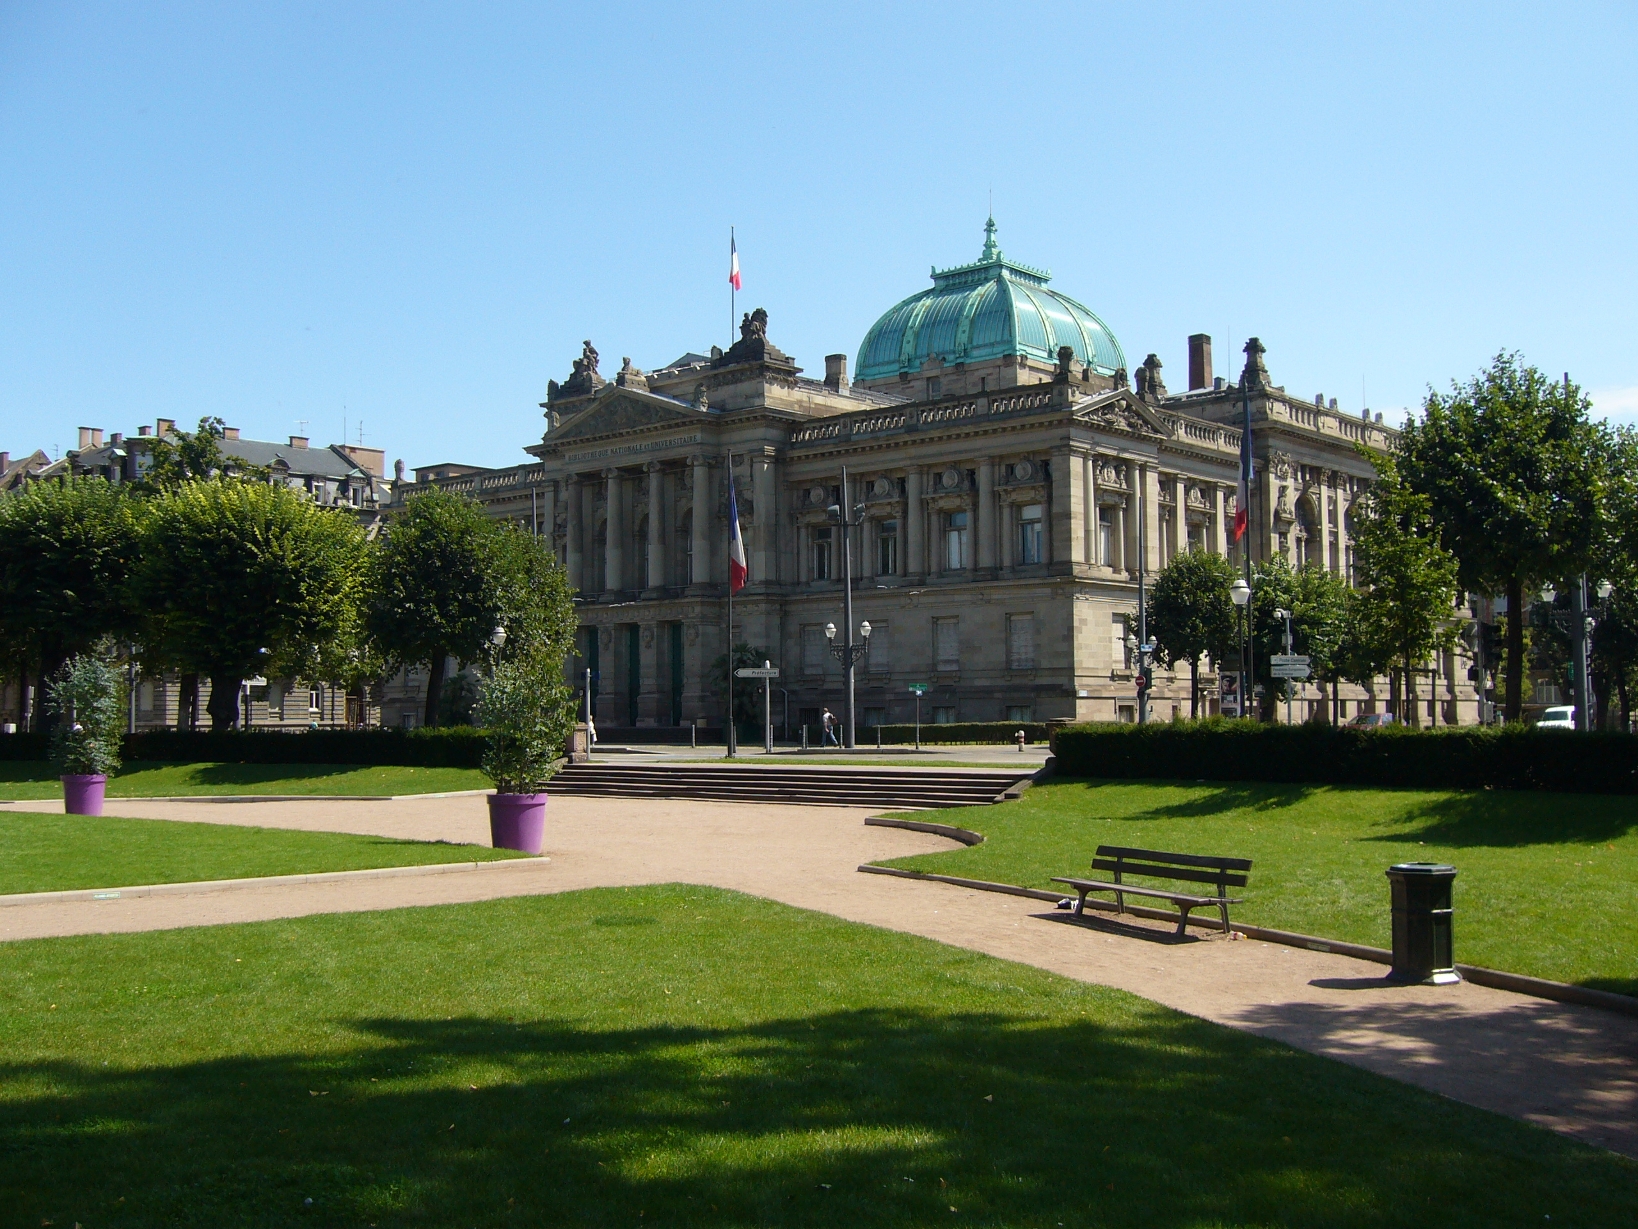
column 403, row 219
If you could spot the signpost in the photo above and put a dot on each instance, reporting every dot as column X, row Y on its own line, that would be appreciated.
column 1288, row 666
column 767, row 672
column 918, row 690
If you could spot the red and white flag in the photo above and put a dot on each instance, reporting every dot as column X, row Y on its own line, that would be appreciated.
column 733, row 261
column 737, row 571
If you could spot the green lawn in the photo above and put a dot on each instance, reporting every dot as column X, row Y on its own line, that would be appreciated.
column 1545, row 882
column 686, row 1056
column 31, row 780
column 49, row 853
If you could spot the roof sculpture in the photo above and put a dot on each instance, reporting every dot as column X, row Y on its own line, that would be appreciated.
column 984, row 310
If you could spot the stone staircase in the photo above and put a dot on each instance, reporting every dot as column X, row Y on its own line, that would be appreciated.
column 895, row 789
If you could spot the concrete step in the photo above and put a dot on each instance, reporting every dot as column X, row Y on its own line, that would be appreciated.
column 899, row 789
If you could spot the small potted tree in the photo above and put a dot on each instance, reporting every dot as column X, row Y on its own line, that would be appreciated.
column 528, row 713
column 88, row 700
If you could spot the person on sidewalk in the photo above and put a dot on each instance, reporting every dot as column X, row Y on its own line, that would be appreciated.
column 828, row 721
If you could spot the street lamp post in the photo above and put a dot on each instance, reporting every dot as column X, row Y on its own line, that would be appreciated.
column 1240, row 592
column 847, row 517
column 1580, row 622
column 848, row 653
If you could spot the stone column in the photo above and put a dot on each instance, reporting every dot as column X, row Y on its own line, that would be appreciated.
column 984, row 513
column 1218, row 539
column 1089, row 508
column 766, row 517
column 915, row 526
column 614, row 554
column 653, row 700
column 571, row 532
column 1063, row 512
column 656, row 578
column 1180, row 517
column 704, row 509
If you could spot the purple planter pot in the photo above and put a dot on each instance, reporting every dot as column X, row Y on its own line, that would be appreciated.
column 83, row 793
column 517, row 821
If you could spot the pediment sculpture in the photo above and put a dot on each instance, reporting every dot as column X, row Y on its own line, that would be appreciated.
column 583, row 382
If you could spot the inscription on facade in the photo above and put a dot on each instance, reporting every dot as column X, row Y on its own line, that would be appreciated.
column 596, row 454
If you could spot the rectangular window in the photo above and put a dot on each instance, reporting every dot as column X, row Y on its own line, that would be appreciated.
column 876, row 648
column 313, row 701
column 1197, row 536
column 874, row 717
column 1020, row 712
column 145, row 695
column 955, row 541
column 1120, row 651
column 946, row 645
column 935, row 388
column 1106, row 537
column 1031, row 535
column 1021, row 642
column 821, row 553
column 887, row 548
column 944, row 714
column 814, row 649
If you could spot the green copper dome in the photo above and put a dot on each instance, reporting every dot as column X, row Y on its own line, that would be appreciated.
column 982, row 311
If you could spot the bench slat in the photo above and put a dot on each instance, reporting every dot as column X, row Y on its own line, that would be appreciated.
column 1111, row 866
column 1175, row 859
column 1091, row 885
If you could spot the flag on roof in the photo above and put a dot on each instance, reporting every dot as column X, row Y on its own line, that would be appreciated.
column 733, row 260
column 737, row 571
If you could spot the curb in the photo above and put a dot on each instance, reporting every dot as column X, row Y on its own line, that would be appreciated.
column 200, row 887
column 459, row 793
column 1496, row 979
column 965, row 835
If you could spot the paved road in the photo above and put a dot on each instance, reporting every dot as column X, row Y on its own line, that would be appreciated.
column 1571, row 1069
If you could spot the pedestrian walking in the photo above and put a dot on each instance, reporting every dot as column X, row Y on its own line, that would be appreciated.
column 828, row 720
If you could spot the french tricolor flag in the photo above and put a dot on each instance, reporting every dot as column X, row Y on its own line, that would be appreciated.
column 733, row 261
column 737, row 571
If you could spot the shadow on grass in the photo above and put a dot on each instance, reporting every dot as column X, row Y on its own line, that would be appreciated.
column 1511, row 819
column 1215, row 798
column 251, row 774
column 847, row 1118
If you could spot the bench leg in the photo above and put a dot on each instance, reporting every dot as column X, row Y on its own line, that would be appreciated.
column 1080, row 905
column 1223, row 909
column 1182, row 919
column 1120, row 902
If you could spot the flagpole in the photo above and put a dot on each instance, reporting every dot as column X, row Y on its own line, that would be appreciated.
column 733, row 734
column 733, row 292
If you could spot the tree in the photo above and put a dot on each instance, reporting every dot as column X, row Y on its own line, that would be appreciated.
column 1318, row 609
column 433, row 587
column 241, row 578
column 1324, row 606
column 88, row 700
column 181, row 456
column 1191, row 613
column 747, row 692
column 1407, row 576
column 66, row 549
column 1514, row 472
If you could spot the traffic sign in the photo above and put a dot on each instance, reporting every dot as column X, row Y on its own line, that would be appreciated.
column 920, row 689
column 757, row 672
column 1288, row 666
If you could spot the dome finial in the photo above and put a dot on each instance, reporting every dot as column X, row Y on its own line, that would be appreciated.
column 991, row 250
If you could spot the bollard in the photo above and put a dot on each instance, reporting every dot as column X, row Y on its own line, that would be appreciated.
column 804, row 737
column 1423, row 941
column 1020, row 737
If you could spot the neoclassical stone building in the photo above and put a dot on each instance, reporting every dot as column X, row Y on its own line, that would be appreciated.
column 1011, row 477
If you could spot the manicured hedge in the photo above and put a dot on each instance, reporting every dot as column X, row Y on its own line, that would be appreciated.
column 959, row 732
column 1467, row 757
column 445, row 747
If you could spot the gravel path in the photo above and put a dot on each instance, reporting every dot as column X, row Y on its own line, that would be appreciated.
column 1571, row 1069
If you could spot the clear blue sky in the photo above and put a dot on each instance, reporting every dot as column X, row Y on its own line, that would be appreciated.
column 412, row 214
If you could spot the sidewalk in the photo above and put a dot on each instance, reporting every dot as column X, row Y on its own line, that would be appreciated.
column 1571, row 1069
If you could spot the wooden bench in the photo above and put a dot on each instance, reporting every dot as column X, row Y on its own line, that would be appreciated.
column 1117, row 862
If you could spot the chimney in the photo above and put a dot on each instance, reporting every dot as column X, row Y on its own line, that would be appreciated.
column 90, row 437
column 836, row 372
column 165, row 426
column 370, row 460
column 230, row 433
column 1199, row 361
column 117, row 438
column 145, row 432
column 5, row 463
column 298, row 441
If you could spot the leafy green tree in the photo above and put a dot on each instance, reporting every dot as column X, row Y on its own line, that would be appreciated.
column 190, row 456
column 1318, row 609
column 1407, row 576
column 433, row 590
column 533, row 595
column 529, row 713
column 66, row 549
column 1191, row 613
column 1514, row 471
column 1324, row 604
column 241, row 578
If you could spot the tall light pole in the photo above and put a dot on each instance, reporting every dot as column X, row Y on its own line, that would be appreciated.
column 1240, row 592
column 846, row 516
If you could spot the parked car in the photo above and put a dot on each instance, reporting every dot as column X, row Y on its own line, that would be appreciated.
column 1372, row 721
column 1559, row 717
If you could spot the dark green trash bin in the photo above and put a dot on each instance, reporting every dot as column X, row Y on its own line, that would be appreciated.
column 1423, row 949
